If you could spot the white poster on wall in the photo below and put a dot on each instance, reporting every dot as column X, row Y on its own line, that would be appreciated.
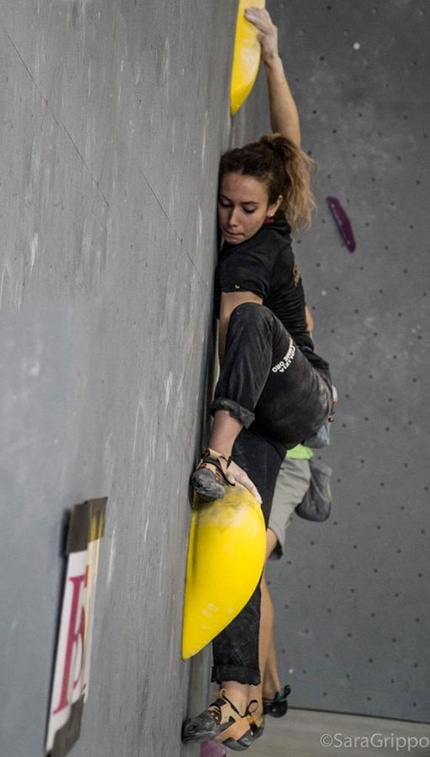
column 72, row 664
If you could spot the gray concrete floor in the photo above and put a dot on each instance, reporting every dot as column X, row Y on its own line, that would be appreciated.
column 303, row 733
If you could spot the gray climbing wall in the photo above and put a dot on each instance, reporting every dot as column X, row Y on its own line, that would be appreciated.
column 353, row 594
column 113, row 119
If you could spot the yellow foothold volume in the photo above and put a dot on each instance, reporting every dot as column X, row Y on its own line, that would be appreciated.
column 225, row 561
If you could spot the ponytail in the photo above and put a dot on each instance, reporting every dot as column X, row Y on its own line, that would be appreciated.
column 284, row 168
column 298, row 199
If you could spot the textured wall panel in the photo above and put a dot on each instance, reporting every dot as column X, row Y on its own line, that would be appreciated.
column 113, row 119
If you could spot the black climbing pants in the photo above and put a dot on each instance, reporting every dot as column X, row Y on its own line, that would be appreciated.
column 281, row 399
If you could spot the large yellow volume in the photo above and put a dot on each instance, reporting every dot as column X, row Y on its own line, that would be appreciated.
column 225, row 561
column 246, row 57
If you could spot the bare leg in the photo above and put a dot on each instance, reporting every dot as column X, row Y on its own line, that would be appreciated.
column 266, row 646
column 270, row 684
column 270, row 676
column 225, row 429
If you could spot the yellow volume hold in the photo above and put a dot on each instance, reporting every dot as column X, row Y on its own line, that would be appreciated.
column 225, row 561
column 246, row 57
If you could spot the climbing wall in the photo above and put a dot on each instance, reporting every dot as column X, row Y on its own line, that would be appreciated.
column 113, row 119
column 352, row 595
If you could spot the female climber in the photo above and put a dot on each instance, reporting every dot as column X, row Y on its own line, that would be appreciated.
column 273, row 391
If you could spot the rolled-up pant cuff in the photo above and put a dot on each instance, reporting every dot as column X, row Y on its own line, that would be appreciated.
column 222, row 673
column 246, row 417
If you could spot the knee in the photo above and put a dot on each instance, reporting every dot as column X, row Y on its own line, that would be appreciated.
column 250, row 313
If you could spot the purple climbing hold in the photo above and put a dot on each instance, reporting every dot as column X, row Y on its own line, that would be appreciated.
column 342, row 222
column 212, row 749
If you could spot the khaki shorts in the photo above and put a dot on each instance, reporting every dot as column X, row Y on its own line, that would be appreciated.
column 291, row 486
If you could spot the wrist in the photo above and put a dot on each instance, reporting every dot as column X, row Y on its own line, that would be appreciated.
column 272, row 59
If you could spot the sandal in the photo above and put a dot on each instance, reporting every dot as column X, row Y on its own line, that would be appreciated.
column 221, row 718
column 278, row 706
column 209, row 479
